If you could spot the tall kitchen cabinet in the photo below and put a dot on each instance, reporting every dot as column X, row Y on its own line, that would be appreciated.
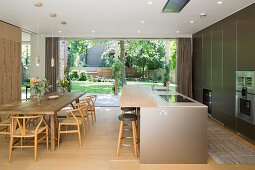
column 197, row 67
column 207, row 59
column 216, row 71
column 218, row 68
column 246, row 55
column 227, row 46
column 229, row 72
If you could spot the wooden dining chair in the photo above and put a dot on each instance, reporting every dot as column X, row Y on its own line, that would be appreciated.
column 5, row 124
column 87, row 102
column 72, row 121
column 92, row 104
column 19, row 129
column 84, row 110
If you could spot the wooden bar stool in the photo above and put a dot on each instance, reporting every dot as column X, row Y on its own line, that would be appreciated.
column 132, row 118
column 128, row 110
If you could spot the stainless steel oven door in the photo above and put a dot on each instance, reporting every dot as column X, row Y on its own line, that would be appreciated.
column 245, row 79
column 245, row 107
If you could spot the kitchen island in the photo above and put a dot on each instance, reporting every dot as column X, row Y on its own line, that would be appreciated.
column 173, row 127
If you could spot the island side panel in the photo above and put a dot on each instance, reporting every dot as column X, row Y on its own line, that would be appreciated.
column 173, row 135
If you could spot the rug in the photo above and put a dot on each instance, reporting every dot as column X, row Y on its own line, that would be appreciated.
column 224, row 149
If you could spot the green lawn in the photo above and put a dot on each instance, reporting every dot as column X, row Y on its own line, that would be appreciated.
column 103, row 87
column 100, row 87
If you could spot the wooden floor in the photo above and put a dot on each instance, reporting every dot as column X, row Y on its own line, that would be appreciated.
column 97, row 151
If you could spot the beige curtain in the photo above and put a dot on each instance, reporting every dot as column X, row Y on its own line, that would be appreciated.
column 51, row 73
column 184, row 66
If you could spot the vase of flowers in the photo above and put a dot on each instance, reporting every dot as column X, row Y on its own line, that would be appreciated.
column 40, row 87
column 63, row 83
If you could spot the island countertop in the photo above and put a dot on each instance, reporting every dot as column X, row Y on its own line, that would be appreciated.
column 139, row 96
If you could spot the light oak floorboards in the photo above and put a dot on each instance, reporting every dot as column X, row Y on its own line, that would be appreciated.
column 98, row 151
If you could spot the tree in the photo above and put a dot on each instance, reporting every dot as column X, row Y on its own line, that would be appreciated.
column 122, row 59
column 148, row 55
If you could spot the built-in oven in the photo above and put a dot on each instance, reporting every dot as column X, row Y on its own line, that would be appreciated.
column 245, row 95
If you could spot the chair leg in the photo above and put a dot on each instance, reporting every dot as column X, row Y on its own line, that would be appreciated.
column 66, row 130
column 10, row 149
column 7, row 131
column 134, row 137
column 79, row 134
column 84, row 127
column 95, row 114
column 92, row 117
column 21, row 143
column 88, row 121
column 47, row 137
column 35, row 148
column 59, row 133
column 120, row 136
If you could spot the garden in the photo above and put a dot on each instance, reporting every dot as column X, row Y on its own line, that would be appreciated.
column 147, row 58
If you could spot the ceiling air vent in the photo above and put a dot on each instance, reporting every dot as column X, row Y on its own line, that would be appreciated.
column 175, row 5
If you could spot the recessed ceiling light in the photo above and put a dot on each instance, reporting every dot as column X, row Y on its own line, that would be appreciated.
column 59, row 31
column 142, row 22
column 149, row 2
column 219, row 2
column 177, row 32
column 138, row 31
column 192, row 22
column 38, row 4
column 63, row 22
column 93, row 31
column 202, row 15
column 53, row 15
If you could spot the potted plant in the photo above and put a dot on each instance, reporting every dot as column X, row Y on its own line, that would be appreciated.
column 63, row 83
column 40, row 87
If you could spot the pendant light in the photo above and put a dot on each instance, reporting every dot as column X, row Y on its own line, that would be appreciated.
column 52, row 61
column 37, row 57
column 52, row 57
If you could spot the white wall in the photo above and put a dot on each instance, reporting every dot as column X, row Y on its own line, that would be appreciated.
column 37, row 72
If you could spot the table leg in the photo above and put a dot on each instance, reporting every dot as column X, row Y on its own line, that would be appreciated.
column 52, row 129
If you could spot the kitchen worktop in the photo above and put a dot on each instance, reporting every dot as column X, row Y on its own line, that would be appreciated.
column 139, row 96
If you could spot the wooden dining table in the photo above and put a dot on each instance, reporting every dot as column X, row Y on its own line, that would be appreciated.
column 48, row 107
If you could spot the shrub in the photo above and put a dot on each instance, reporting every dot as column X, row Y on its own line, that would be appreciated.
column 89, row 77
column 83, row 76
column 74, row 74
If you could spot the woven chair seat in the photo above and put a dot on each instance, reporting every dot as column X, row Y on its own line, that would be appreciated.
column 30, row 132
column 71, row 121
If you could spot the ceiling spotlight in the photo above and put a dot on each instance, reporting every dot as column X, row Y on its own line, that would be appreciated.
column 177, row 32
column 63, row 22
column 59, row 31
column 219, row 2
column 93, row 31
column 138, row 31
column 53, row 15
column 202, row 15
column 38, row 4
column 149, row 2
column 142, row 22
column 192, row 22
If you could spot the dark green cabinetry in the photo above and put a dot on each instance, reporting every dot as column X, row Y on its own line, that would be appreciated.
column 219, row 51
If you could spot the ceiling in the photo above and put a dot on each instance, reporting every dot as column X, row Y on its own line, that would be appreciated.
column 115, row 18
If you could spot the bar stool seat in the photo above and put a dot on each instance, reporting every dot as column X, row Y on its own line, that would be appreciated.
column 127, row 117
column 132, row 118
column 125, row 110
column 128, row 109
